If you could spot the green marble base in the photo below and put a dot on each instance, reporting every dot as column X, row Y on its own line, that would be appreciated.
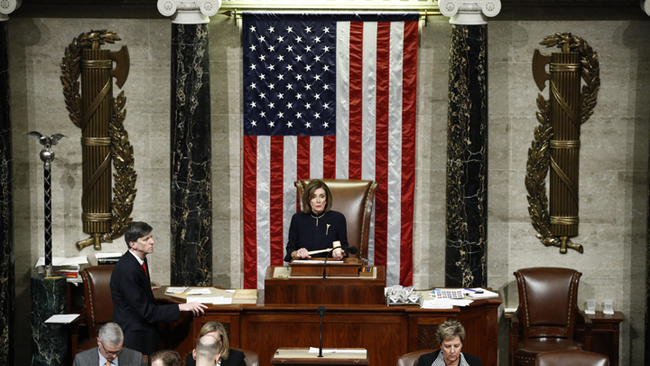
column 49, row 341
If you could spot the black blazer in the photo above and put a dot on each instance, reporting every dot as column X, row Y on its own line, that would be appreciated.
column 428, row 358
column 134, row 306
column 235, row 358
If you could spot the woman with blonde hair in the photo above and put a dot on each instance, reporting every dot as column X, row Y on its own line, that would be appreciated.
column 451, row 337
column 229, row 356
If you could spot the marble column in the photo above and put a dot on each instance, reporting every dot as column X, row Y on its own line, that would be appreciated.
column 191, row 182
column 7, row 277
column 467, row 142
column 49, row 341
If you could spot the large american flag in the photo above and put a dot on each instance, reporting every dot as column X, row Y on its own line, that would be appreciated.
column 328, row 96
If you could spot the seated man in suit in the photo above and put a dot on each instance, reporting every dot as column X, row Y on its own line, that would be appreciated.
column 207, row 351
column 109, row 350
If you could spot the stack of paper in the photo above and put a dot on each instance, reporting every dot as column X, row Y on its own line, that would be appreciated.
column 107, row 258
column 68, row 267
column 478, row 293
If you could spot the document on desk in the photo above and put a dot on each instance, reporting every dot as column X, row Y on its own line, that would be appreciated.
column 61, row 318
column 444, row 303
column 176, row 290
column 199, row 291
column 357, row 351
column 215, row 300
column 315, row 261
column 478, row 293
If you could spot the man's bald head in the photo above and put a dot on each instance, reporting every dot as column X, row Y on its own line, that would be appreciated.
column 208, row 351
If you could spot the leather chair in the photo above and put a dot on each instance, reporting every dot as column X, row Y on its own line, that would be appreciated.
column 354, row 198
column 98, row 304
column 571, row 358
column 251, row 358
column 411, row 359
column 547, row 314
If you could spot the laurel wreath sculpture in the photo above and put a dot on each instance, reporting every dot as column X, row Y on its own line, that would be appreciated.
column 538, row 154
column 121, row 150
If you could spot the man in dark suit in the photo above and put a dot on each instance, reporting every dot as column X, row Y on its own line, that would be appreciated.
column 134, row 306
column 109, row 350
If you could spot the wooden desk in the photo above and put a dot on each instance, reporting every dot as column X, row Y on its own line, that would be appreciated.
column 302, row 357
column 605, row 334
column 305, row 290
column 386, row 332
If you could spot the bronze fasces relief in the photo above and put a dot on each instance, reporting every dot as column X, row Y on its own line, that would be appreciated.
column 574, row 81
column 107, row 204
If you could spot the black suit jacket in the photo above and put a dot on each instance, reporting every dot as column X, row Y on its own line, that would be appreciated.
column 235, row 358
column 428, row 358
column 134, row 306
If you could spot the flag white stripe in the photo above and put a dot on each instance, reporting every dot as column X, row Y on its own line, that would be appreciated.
column 316, row 157
column 369, row 100
column 263, row 206
column 342, row 99
column 290, row 170
column 393, row 229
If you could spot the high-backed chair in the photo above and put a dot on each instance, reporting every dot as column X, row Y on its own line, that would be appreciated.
column 98, row 305
column 354, row 198
column 251, row 358
column 547, row 314
column 571, row 358
column 411, row 358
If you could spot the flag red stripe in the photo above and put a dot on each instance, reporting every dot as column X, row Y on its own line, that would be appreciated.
column 356, row 97
column 408, row 150
column 381, row 142
column 277, row 200
column 302, row 168
column 250, row 211
column 329, row 157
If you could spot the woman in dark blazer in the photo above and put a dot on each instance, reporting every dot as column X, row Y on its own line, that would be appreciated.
column 451, row 337
column 229, row 357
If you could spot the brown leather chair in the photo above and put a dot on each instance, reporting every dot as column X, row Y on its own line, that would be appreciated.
column 251, row 358
column 98, row 305
column 547, row 314
column 411, row 359
column 354, row 198
column 571, row 358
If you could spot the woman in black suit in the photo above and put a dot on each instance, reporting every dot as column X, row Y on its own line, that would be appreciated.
column 451, row 337
column 229, row 357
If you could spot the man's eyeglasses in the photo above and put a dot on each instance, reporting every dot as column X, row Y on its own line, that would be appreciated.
column 111, row 353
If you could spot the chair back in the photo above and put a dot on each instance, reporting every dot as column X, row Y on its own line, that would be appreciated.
column 354, row 198
column 251, row 358
column 411, row 359
column 571, row 358
column 97, row 297
column 548, row 301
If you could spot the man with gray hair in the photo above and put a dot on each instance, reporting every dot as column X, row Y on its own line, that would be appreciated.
column 207, row 351
column 109, row 350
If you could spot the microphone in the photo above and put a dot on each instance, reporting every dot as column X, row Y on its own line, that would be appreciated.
column 351, row 250
column 321, row 312
column 325, row 264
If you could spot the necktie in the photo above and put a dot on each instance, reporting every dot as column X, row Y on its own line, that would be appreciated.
column 108, row 363
column 145, row 270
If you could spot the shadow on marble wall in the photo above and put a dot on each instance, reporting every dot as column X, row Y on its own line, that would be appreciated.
column 634, row 37
column 222, row 85
column 23, row 73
